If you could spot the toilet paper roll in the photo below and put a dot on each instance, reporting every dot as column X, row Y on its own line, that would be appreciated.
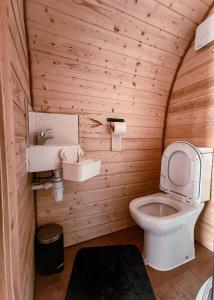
column 118, row 130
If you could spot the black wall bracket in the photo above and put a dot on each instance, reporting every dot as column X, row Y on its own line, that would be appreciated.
column 115, row 120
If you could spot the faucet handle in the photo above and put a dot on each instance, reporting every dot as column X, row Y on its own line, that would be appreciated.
column 42, row 137
column 43, row 132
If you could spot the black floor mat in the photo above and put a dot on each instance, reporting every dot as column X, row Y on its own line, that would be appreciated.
column 109, row 273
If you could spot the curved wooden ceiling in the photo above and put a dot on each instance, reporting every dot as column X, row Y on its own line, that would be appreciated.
column 102, row 58
column 127, row 49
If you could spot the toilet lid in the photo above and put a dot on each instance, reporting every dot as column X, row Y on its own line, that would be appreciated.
column 181, row 167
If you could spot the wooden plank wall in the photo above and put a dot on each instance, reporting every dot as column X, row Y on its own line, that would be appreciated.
column 16, row 101
column 21, row 104
column 7, row 262
column 100, row 59
column 191, row 118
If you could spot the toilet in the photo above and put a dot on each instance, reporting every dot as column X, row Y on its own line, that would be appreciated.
column 168, row 218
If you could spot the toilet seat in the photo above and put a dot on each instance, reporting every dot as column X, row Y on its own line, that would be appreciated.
column 181, row 168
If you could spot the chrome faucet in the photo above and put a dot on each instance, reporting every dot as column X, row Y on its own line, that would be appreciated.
column 42, row 137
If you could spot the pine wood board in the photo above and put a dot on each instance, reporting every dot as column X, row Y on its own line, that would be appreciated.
column 46, row 63
column 43, row 83
column 49, row 42
column 83, row 104
column 155, row 14
column 50, row 19
column 105, row 15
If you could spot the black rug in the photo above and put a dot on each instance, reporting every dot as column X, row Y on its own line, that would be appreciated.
column 109, row 273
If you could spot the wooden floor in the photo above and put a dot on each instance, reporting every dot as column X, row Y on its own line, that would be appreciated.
column 179, row 284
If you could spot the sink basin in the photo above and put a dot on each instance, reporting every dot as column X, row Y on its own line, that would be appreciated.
column 80, row 171
column 47, row 157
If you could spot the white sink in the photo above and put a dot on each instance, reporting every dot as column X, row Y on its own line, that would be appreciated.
column 47, row 157
column 80, row 171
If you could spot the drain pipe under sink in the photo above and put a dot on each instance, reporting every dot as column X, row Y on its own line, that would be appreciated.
column 56, row 183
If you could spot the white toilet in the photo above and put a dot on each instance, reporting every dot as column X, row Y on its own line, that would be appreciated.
column 168, row 218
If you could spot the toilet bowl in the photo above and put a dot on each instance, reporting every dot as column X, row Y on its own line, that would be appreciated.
column 168, row 218
column 168, row 229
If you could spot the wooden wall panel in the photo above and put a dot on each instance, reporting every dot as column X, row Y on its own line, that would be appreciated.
column 16, row 99
column 100, row 59
column 191, row 118
column 22, row 100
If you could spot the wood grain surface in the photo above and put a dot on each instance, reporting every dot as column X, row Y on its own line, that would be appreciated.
column 104, row 59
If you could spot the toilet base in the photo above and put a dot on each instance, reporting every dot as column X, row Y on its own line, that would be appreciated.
column 167, row 252
column 171, row 268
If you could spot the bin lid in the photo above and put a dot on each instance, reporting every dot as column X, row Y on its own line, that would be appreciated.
column 49, row 233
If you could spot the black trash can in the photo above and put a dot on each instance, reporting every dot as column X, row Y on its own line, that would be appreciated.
column 49, row 249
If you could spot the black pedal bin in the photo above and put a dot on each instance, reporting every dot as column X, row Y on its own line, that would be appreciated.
column 49, row 250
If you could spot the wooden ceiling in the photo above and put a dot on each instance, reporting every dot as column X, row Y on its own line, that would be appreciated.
column 128, row 49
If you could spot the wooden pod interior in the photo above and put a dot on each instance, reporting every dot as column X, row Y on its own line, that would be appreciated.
column 133, row 60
